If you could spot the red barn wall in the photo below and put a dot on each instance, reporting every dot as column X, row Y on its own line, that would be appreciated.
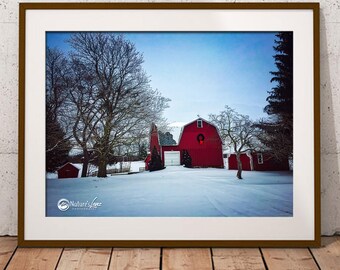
column 232, row 162
column 68, row 171
column 269, row 163
column 207, row 154
column 170, row 148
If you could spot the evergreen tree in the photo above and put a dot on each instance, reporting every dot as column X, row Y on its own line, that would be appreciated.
column 156, row 162
column 166, row 138
column 277, row 135
column 280, row 98
column 187, row 160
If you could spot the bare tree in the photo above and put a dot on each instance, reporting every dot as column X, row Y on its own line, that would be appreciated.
column 56, row 78
column 238, row 132
column 120, row 101
column 83, row 109
column 57, row 139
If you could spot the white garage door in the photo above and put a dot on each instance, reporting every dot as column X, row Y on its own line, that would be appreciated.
column 172, row 158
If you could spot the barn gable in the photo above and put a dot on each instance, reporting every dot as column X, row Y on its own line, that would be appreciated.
column 199, row 138
column 204, row 123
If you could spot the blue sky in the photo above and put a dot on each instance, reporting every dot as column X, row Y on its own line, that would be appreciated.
column 203, row 72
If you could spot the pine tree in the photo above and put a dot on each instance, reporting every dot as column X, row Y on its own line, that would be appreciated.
column 166, row 138
column 277, row 135
column 156, row 162
column 187, row 160
column 280, row 98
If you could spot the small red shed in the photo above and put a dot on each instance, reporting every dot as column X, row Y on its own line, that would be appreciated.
column 258, row 161
column 68, row 170
column 199, row 138
column 263, row 161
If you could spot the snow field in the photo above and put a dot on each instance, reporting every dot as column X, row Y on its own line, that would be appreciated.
column 177, row 192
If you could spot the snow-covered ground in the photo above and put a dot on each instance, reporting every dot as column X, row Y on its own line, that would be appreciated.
column 133, row 165
column 175, row 192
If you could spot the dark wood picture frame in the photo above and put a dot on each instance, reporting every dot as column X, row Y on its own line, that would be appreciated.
column 22, row 242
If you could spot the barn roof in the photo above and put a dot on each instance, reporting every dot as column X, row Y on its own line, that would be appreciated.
column 77, row 166
column 153, row 126
column 200, row 118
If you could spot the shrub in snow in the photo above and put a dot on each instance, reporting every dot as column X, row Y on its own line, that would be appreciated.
column 156, row 162
column 187, row 161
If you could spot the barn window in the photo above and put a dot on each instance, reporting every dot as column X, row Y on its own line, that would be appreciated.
column 259, row 158
column 199, row 123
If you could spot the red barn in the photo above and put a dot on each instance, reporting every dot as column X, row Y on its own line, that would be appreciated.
column 199, row 137
column 245, row 160
column 258, row 161
column 68, row 170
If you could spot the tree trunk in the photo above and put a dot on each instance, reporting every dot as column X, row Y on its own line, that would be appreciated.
column 102, row 167
column 85, row 163
column 104, row 150
column 239, row 166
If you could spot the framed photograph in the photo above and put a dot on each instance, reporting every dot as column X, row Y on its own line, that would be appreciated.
column 169, row 124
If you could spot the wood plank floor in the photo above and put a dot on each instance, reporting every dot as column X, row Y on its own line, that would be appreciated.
column 326, row 258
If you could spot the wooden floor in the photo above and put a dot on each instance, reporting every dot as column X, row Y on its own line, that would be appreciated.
column 327, row 257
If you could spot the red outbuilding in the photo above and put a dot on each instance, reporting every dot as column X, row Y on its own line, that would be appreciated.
column 68, row 170
column 245, row 160
column 199, row 138
column 258, row 161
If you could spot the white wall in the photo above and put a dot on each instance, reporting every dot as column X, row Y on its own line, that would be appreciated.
column 330, row 114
